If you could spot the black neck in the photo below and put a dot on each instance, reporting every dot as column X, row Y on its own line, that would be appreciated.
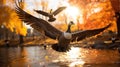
column 69, row 30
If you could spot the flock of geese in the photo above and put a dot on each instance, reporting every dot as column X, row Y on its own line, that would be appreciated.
column 64, row 38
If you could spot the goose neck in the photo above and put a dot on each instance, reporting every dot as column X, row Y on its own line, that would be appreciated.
column 69, row 28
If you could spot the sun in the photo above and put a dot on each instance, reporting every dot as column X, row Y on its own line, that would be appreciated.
column 72, row 11
column 74, row 14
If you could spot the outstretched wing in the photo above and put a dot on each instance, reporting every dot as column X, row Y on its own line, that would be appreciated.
column 87, row 33
column 58, row 10
column 42, row 12
column 38, row 23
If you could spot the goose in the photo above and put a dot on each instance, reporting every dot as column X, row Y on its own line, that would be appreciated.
column 51, row 14
column 63, row 38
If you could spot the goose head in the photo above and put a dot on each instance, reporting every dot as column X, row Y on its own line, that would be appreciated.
column 71, row 23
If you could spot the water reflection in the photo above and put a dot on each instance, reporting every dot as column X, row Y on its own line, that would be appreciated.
column 76, row 57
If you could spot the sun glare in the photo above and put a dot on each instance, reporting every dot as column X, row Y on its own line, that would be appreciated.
column 72, row 11
column 74, row 14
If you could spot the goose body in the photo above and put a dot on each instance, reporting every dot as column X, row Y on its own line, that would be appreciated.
column 64, row 38
column 63, row 42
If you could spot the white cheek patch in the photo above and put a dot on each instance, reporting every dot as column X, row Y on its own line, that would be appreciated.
column 67, row 35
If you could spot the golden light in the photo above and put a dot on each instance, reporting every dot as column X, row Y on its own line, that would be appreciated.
column 72, row 11
column 74, row 14
column 74, row 53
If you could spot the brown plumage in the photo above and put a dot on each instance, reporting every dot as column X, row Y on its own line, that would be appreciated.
column 64, row 38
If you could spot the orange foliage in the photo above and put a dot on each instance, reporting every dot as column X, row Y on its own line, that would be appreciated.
column 10, row 20
column 98, row 15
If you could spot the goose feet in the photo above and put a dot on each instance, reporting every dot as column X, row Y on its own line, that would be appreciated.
column 60, row 48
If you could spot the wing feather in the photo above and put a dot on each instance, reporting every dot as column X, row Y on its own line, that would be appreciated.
column 58, row 10
column 87, row 33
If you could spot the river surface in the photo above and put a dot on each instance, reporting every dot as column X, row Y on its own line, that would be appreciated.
column 37, row 56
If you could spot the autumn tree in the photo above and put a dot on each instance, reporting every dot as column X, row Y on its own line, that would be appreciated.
column 10, row 19
column 99, row 14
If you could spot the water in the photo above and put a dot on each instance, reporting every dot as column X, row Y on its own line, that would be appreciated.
column 36, row 56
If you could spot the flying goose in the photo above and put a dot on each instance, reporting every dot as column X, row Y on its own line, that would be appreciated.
column 64, row 38
column 51, row 14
